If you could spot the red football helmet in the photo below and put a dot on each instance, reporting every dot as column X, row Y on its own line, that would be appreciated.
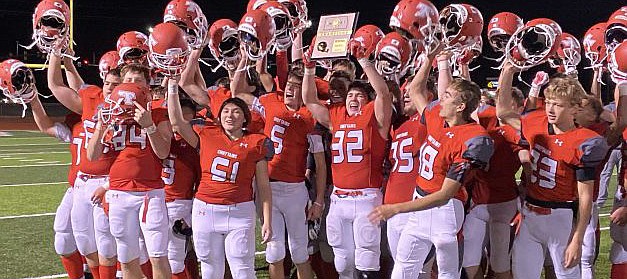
column 534, row 43
column 298, row 14
column 364, row 41
column 133, row 47
column 255, row 4
column 282, row 22
column 616, row 31
column 187, row 15
column 224, row 43
column 17, row 82
column 256, row 33
column 109, row 60
column 119, row 106
column 169, row 49
column 461, row 24
column 617, row 63
column 51, row 22
column 501, row 27
column 594, row 44
column 392, row 54
column 417, row 20
column 568, row 54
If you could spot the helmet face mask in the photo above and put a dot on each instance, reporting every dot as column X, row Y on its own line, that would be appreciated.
column 388, row 64
column 498, row 42
column 51, row 24
column 284, row 35
column 17, row 82
column 533, row 44
column 252, row 45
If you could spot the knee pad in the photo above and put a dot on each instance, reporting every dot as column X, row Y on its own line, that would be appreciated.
column 64, row 243
column 275, row 251
column 299, row 253
column 334, row 232
column 343, row 260
column 177, row 266
column 86, row 244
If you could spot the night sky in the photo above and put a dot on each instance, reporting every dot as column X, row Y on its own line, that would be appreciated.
column 98, row 23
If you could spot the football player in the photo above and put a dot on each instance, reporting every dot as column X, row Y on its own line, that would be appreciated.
column 290, row 126
column 563, row 158
column 89, row 223
column 140, row 136
column 223, row 211
column 454, row 146
column 360, row 128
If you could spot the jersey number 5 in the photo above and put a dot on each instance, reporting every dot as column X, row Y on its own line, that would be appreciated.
column 277, row 137
column 228, row 175
column 357, row 143
column 544, row 168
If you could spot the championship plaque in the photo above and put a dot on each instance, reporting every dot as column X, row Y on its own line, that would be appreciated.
column 334, row 33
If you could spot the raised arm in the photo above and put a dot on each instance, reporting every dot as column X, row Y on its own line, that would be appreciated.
column 418, row 86
column 444, row 72
column 159, row 134
column 595, row 89
column 44, row 123
column 66, row 96
column 194, row 86
column 310, row 96
column 74, row 79
column 383, row 100
column 266, row 78
column 239, row 84
column 95, row 147
column 504, row 102
column 175, row 113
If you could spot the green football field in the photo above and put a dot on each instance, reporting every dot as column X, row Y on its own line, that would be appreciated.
column 33, row 171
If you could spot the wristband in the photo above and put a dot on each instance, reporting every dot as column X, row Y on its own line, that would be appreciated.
column 319, row 204
column 443, row 64
column 105, row 186
column 364, row 62
column 533, row 92
column 151, row 129
column 310, row 71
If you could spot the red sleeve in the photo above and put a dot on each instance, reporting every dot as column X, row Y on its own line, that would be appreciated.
column 282, row 69
column 159, row 115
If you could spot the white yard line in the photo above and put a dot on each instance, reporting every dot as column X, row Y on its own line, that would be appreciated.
column 604, row 214
column 34, row 153
column 31, row 160
column 29, row 138
column 41, row 165
column 32, row 184
column 14, row 158
column 27, row 216
column 605, row 228
column 48, row 276
column 31, row 144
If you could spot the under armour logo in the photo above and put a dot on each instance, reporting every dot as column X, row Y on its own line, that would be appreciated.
column 501, row 132
column 245, row 145
column 359, row 113
column 201, row 213
column 450, row 135
column 296, row 115
column 559, row 142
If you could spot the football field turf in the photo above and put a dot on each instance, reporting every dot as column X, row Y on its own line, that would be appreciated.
column 33, row 172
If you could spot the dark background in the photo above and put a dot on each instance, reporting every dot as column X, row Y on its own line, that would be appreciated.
column 98, row 23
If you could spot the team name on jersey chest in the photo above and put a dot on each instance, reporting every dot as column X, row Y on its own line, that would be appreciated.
column 227, row 154
column 348, row 126
column 433, row 141
column 402, row 135
column 281, row 121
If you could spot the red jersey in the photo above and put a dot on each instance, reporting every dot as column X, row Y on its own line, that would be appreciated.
column 358, row 149
column 405, row 160
column 560, row 160
column 217, row 96
column 498, row 183
column 449, row 152
column 290, row 131
column 228, row 166
column 73, row 122
column 92, row 100
column 136, row 167
column 181, row 170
